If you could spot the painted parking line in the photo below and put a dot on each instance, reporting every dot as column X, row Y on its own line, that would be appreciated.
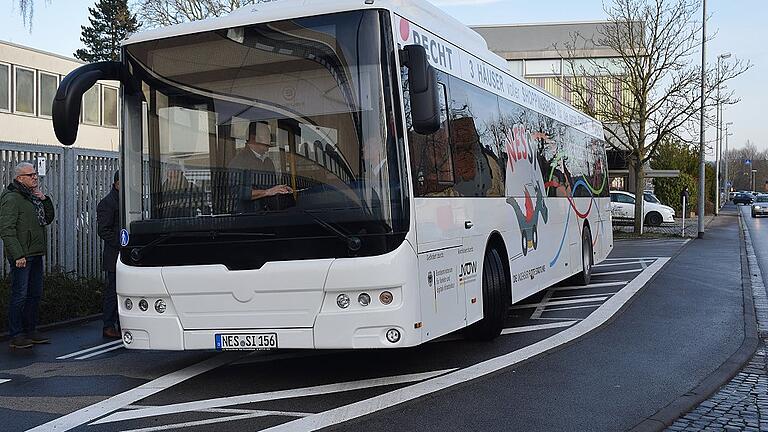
column 100, row 352
column 616, row 272
column 613, row 264
column 102, row 346
column 594, row 285
column 92, row 412
column 270, row 396
column 377, row 403
column 246, row 416
column 3, row 381
column 636, row 258
column 531, row 328
column 560, row 302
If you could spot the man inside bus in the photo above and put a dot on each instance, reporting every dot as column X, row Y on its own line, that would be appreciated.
column 256, row 177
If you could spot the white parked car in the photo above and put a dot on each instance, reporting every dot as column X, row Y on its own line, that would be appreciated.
column 623, row 207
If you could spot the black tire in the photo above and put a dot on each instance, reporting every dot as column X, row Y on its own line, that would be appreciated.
column 495, row 299
column 585, row 276
column 654, row 219
column 535, row 235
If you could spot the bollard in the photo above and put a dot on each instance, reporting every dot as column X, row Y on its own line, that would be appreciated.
column 684, row 209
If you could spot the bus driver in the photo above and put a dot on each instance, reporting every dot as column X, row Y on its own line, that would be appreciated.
column 256, row 174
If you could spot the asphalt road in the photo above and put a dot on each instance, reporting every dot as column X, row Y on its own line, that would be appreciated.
column 608, row 380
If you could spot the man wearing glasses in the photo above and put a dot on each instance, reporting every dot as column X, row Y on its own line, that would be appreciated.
column 25, row 211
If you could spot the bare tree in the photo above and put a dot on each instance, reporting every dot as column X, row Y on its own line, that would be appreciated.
column 27, row 11
column 650, row 91
column 158, row 13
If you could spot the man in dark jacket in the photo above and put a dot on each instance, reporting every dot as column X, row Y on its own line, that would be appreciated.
column 24, row 213
column 108, row 220
column 256, row 174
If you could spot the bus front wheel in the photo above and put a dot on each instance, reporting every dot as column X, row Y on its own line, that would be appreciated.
column 495, row 299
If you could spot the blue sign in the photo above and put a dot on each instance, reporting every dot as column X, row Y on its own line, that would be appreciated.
column 748, row 161
column 124, row 237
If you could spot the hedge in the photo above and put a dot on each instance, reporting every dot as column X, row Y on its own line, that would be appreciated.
column 65, row 296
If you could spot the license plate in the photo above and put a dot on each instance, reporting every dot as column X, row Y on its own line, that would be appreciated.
column 246, row 341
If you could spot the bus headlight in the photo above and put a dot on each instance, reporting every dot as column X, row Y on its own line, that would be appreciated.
column 342, row 301
column 128, row 304
column 143, row 305
column 386, row 297
column 364, row 299
column 127, row 338
column 160, row 306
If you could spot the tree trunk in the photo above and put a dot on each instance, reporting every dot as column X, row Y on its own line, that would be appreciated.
column 637, row 166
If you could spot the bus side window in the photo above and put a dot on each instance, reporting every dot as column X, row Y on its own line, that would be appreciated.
column 431, row 158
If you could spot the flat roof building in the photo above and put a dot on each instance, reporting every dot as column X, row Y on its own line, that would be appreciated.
column 28, row 82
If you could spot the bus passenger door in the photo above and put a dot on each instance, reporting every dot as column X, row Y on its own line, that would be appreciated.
column 439, row 227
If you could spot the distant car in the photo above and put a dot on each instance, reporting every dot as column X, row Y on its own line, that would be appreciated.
column 743, row 198
column 648, row 196
column 623, row 207
column 731, row 195
column 760, row 206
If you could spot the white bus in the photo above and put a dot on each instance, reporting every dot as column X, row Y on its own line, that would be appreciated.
column 339, row 174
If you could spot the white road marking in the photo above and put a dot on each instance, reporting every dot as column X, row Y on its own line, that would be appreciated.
column 636, row 258
column 594, row 285
column 579, row 296
column 618, row 264
column 94, row 354
column 616, row 272
column 570, row 308
column 558, row 303
column 415, row 391
column 531, row 328
column 3, row 381
column 540, row 308
column 254, row 414
column 270, row 396
column 92, row 412
column 75, row 354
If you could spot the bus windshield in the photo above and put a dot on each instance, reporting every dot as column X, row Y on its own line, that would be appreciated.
column 264, row 133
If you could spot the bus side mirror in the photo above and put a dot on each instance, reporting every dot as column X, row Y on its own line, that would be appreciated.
column 69, row 96
column 422, row 86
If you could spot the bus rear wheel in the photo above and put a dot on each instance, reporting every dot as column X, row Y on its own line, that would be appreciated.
column 495, row 299
column 587, row 260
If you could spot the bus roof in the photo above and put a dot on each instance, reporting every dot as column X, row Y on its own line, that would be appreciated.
column 421, row 12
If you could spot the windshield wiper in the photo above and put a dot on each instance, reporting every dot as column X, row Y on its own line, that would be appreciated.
column 353, row 242
column 136, row 253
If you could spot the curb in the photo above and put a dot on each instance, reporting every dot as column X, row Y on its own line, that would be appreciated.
column 723, row 374
column 60, row 324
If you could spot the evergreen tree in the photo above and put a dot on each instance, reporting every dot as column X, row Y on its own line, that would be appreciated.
column 111, row 22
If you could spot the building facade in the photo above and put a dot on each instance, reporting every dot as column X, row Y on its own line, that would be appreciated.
column 28, row 82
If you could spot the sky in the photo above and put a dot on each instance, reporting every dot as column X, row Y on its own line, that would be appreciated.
column 740, row 28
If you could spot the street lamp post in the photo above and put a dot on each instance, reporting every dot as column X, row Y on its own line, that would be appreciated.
column 718, row 141
column 702, row 132
column 754, row 172
column 727, row 157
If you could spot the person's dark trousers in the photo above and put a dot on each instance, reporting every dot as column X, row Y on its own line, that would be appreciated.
column 109, row 308
column 26, row 290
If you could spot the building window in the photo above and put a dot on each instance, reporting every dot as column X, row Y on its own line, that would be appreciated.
column 91, row 107
column 109, row 104
column 516, row 67
column 24, row 94
column 5, row 87
column 46, row 92
column 543, row 67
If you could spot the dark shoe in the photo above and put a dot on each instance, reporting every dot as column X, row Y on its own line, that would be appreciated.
column 20, row 342
column 38, row 338
column 110, row 333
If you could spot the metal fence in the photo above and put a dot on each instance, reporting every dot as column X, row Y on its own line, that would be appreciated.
column 76, row 179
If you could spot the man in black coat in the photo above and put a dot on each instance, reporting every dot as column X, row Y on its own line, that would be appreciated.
column 108, row 220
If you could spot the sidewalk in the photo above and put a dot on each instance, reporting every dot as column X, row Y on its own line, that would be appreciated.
column 741, row 404
column 673, row 229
